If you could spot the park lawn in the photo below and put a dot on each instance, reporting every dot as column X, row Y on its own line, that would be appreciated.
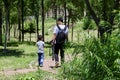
column 17, row 57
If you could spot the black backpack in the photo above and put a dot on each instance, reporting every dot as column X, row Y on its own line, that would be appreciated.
column 61, row 36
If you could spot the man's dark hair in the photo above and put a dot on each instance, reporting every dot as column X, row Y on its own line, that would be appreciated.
column 40, row 37
column 60, row 19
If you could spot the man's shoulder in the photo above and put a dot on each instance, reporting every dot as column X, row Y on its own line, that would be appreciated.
column 39, row 42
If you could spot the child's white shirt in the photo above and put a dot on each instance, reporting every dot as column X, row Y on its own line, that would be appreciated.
column 40, row 45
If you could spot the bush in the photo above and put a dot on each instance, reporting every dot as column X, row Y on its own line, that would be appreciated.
column 88, row 23
column 98, row 61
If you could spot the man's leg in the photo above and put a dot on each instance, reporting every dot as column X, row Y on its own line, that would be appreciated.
column 62, row 54
column 56, row 55
column 53, row 52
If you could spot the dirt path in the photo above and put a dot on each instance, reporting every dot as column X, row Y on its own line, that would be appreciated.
column 47, row 66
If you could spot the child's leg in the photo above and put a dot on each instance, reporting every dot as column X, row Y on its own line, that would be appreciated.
column 41, row 59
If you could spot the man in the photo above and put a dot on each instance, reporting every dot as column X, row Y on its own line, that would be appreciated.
column 59, row 41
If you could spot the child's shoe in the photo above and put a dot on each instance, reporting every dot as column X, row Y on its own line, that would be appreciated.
column 41, row 65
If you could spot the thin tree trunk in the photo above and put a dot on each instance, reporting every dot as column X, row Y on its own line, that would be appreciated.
column 9, row 25
column 30, row 37
column 22, row 20
column 37, row 23
column 0, row 25
column 69, row 18
column 72, row 32
column 56, row 13
column 6, row 31
column 19, row 18
column 42, row 3
column 14, row 31
column 65, row 12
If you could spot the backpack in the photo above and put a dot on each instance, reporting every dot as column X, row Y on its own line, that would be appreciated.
column 61, row 36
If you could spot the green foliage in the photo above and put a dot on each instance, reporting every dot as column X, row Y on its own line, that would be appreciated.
column 29, row 27
column 97, row 61
column 88, row 23
column 104, row 24
column 117, row 18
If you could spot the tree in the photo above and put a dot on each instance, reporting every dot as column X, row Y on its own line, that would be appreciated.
column 102, row 12
column 31, row 29
column 6, row 5
column 35, row 10
column 22, row 18
column 1, row 23
column 19, row 18
column 43, row 17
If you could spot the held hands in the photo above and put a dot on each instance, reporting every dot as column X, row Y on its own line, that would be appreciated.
column 52, row 42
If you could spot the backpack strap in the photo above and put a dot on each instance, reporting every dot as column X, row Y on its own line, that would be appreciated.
column 60, row 28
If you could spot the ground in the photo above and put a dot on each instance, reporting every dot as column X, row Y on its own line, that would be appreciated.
column 47, row 66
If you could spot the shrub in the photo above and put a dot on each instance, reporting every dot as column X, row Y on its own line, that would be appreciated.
column 88, row 23
column 98, row 61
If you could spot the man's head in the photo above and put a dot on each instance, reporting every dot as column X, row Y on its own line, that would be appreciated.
column 40, row 37
column 59, row 20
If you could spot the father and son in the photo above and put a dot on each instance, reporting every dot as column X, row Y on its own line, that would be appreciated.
column 60, row 33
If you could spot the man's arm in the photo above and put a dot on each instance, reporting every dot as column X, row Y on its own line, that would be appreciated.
column 54, row 37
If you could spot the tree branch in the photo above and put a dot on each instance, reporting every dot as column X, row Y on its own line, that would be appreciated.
column 92, row 13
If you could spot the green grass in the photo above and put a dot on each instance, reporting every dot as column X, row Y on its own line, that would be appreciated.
column 17, row 57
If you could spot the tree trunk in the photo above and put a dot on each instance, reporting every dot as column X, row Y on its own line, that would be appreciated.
column 69, row 18
column 14, row 31
column 22, row 20
column 97, row 20
column 9, row 25
column 42, row 3
column 30, row 37
column 37, row 23
column 56, row 13
column 19, row 20
column 65, row 12
column 6, row 31
column 72, row 32
column 0, row 25
column 92, row 12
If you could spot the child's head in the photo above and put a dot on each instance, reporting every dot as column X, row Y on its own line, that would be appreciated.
column 40, row 37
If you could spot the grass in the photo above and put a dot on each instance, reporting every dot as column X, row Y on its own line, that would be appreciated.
column 17, row 57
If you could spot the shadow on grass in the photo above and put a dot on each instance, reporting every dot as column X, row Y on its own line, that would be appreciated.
column 15, row 52
column 28, row 43
column 16, row 43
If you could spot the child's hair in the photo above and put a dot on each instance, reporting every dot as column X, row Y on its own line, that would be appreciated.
column 40, row 37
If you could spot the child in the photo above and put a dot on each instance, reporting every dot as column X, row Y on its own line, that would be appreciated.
column 40, row 45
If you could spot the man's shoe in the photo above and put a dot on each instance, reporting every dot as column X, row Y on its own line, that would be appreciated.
column 56, row 64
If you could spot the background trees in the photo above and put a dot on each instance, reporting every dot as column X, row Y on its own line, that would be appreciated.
column 18, row 11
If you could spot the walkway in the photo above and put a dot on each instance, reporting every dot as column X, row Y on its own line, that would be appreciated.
column 48, row 66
